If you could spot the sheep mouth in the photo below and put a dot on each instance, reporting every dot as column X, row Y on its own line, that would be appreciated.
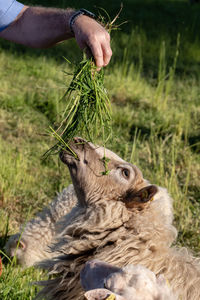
column 66, row 156
column 74, row 152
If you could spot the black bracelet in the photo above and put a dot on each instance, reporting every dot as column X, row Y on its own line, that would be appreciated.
column 80, row 12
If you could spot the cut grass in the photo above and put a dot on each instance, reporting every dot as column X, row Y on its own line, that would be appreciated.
column 88, row 110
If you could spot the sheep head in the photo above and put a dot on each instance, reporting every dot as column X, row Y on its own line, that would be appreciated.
column 99, row 173
column 16, row 245
column 133, row 282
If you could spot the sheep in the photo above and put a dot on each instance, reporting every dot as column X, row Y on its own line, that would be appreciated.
column 102, row 280
column 121, row 219
column 30, row 245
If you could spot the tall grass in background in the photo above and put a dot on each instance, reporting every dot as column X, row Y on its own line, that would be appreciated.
column 165, row 78
column 154, row 85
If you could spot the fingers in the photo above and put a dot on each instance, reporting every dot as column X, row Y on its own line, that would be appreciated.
column 100, row 48
column 100, row 51
column 107, row 53
column 90, row 34
column 96, row 50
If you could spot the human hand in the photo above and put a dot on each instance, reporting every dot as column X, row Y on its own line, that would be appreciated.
column 90, row 34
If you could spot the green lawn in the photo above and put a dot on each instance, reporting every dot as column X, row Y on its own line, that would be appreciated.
column 154, row 84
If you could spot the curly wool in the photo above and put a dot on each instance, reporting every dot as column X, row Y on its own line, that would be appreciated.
column 109, row 232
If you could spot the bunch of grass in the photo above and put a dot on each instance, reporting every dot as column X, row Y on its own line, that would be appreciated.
column 88, row 110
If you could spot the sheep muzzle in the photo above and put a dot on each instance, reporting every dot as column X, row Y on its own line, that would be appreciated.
column 94, row 273
column 76, row 147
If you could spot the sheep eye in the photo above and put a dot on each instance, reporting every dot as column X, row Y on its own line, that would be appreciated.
column 126, row 173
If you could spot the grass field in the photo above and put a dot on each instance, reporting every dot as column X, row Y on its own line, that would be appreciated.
column 154, row 84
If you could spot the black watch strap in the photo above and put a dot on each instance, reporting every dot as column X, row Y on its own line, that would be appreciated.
column 78, row 13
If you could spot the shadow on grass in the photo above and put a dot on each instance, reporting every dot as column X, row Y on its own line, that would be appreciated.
column 3, row 240
column 67, row 49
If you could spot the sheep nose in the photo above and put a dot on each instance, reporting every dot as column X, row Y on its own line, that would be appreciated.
column 79, row 140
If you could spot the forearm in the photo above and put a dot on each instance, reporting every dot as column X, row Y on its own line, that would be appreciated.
column 40, row 27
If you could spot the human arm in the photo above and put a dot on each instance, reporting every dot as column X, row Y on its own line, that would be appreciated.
column 40, row 27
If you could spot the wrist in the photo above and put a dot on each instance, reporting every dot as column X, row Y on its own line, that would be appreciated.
column 77, row 14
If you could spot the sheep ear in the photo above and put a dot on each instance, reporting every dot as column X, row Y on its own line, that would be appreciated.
column 100, row 294
column 21, row 244
column 146, row 194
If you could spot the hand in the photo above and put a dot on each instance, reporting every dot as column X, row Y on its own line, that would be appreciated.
column 90, row 34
